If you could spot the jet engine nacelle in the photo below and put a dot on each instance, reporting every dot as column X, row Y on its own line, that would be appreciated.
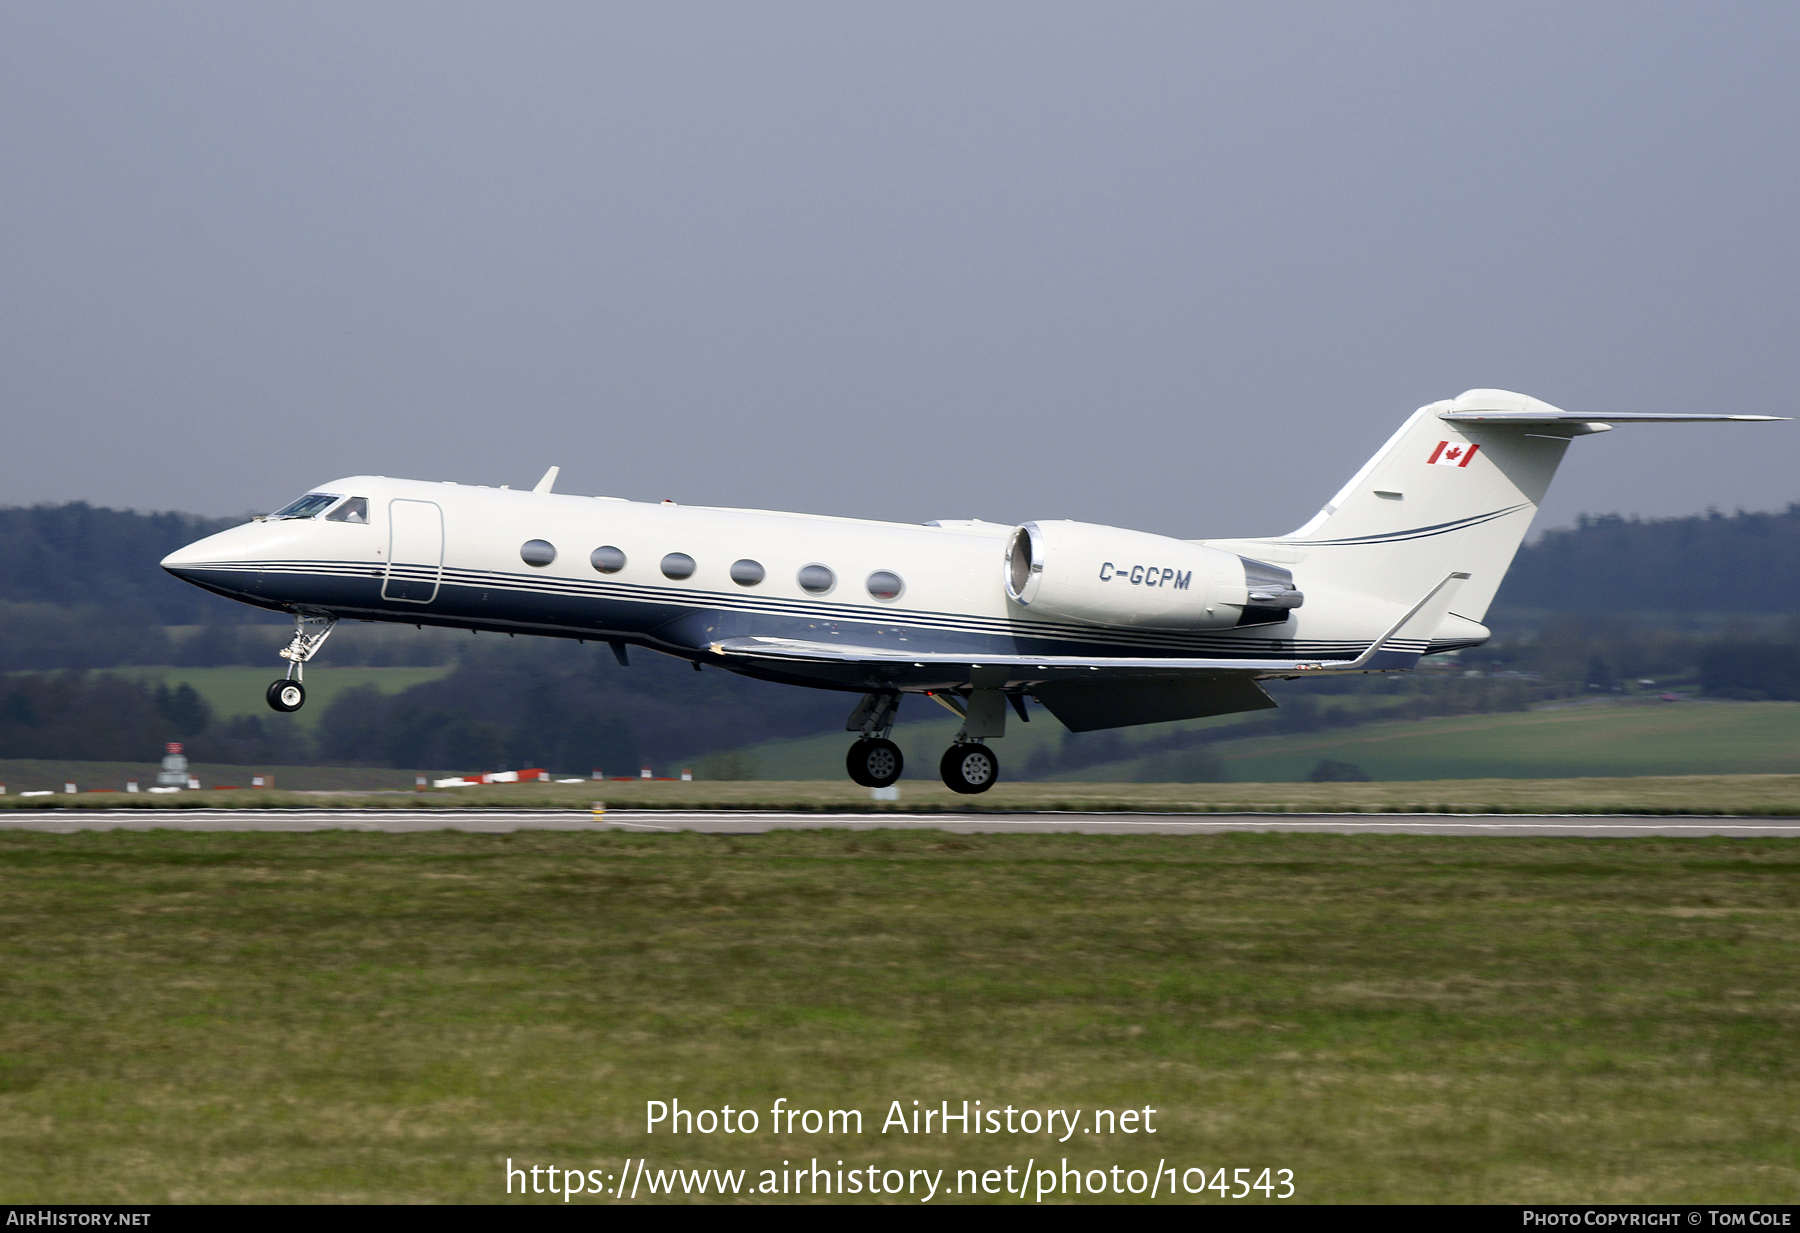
column 1078, row 571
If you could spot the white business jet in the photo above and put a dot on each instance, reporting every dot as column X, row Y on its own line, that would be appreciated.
column 1105, row 627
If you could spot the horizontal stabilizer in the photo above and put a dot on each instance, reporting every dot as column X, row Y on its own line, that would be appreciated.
column 1500, row 418
column 1498, row 408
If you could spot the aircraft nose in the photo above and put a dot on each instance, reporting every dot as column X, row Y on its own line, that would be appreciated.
column 204, row 554
column 183, row 560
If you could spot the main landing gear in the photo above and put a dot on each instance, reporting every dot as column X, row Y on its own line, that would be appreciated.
column 874, row 761
column 289, row 694
column 968, row 767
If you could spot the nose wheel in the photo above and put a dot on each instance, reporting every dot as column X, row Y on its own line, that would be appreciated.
column 969, row 768
column 287, row 696
column 874, row 763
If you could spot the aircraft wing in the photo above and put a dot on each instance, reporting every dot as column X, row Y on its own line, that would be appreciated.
column 1031, row 667
column 1086, row 694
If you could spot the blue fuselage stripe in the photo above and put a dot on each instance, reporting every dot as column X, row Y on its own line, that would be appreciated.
column 677, row 619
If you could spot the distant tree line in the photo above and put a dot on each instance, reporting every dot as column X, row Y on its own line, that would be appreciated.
column 1599, row 653
column 105, row 718
column 508, row 704
column 80, row 556
column 1705, row 563
column 1185, row 755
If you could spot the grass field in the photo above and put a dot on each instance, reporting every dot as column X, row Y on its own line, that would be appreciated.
column 1566, row 740
column 369, row 1018
column 921, row 738
column 1689, row 794
column 240, row 691
column 1686, row 738
column 37, row 775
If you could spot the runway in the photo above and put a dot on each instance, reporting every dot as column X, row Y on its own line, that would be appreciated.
column 731, row 822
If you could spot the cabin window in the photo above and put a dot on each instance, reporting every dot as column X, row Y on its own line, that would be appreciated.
column 309, row 506
column 885, row 584
column 607, row 559
column 817, row 579
column 746, row 573
column 356, row 509
column 537, row 552
column 678, row 565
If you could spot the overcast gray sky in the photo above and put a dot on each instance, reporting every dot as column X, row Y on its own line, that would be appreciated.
column 1179, row 267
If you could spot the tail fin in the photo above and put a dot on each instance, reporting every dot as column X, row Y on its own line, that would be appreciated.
column 1454, row 491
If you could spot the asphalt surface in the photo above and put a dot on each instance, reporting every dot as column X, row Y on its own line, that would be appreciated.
column 728, row 822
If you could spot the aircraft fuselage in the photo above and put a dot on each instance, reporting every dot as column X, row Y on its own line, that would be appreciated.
column 661, row 576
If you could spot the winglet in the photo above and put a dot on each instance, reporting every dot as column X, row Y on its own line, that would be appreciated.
column 549, row 479
column 1453, row 583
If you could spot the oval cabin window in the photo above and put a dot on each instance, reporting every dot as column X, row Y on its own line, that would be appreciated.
column 816, row 579
column 608, row 560
column 678, row 565
column 746, row 573
column 885, row 584
column 537, row 552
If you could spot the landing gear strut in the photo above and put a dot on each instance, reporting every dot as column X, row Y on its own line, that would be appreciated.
column 970, row 767
column 874, row 761
column 289, row 694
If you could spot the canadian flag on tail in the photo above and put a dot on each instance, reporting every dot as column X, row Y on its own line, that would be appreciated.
column 1448, row 455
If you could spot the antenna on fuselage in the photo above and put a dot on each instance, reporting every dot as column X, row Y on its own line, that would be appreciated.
column 544, row 484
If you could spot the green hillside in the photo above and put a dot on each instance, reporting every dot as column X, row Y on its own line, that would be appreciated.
column 94, row 778
column 1560, row 741
column 1685, row 738
column 920, row 740
column 240, row 691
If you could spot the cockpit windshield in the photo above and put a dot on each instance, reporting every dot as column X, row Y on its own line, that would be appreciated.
column 309, row 506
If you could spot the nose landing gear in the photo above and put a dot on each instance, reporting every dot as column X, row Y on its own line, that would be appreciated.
column 289, row 694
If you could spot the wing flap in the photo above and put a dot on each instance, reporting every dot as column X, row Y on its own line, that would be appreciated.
column 1088, row 706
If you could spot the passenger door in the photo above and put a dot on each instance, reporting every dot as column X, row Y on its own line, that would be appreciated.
column 415, row 551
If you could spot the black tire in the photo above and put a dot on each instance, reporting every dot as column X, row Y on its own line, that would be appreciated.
column 853, row 764
column 874, row 764
column 287, row 696
column 969, row 769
